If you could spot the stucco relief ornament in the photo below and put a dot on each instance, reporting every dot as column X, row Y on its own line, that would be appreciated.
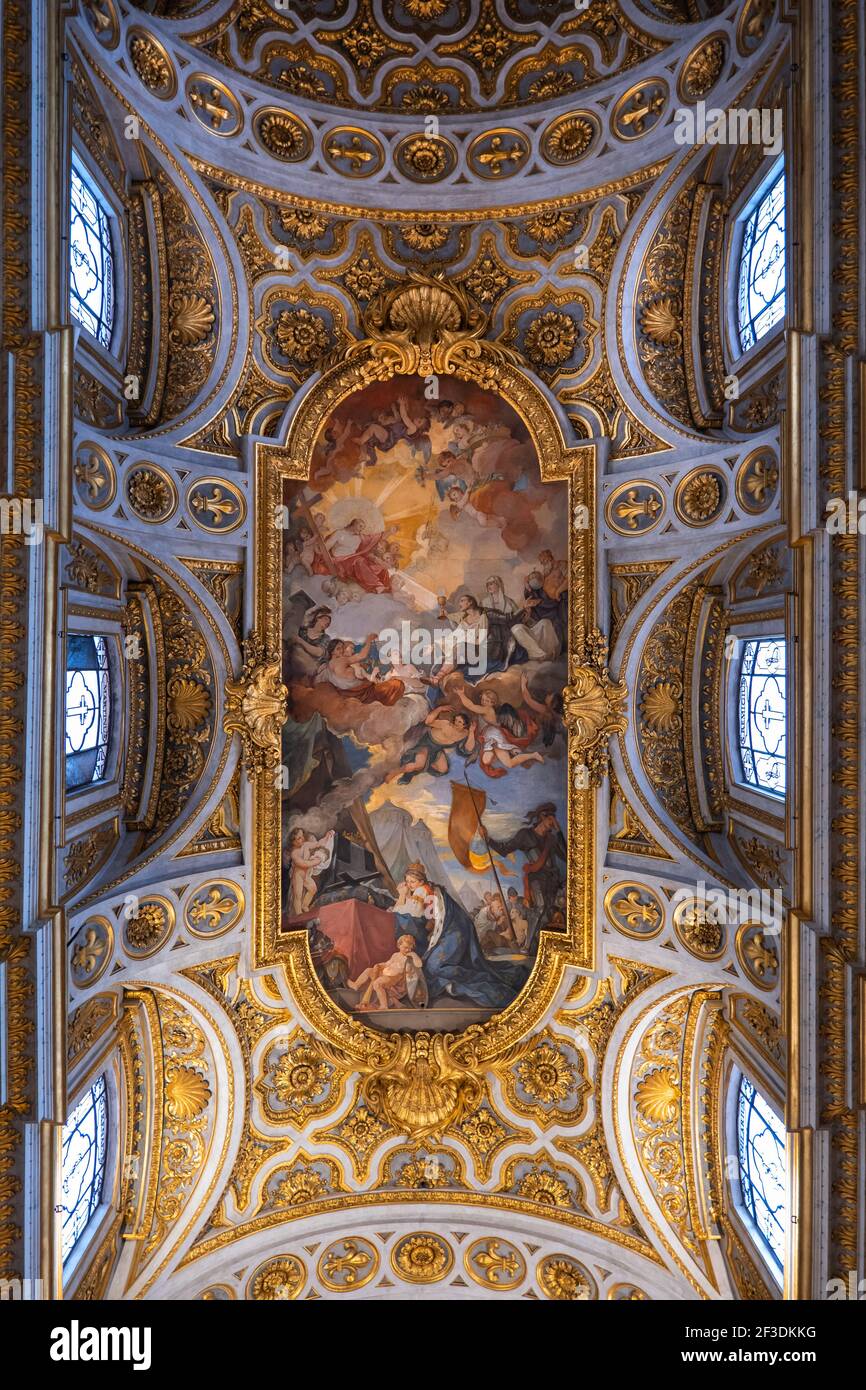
column 256, row 707
column 419, row 1082
column 428, row 328
column 593, row 710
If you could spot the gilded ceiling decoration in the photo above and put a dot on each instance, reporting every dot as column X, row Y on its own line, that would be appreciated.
column 420, row 324
column 401, row 58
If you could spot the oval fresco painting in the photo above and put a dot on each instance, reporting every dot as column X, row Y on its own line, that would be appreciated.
column 424, row 650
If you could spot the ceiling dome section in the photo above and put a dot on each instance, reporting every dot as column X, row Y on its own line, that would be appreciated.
column 422, row 57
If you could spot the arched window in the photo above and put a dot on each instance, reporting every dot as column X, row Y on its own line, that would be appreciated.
column 91, row 264
column 83, row 1172
column 761, row 279
column 88, row 694
column 763, row 704
column 761, row 1154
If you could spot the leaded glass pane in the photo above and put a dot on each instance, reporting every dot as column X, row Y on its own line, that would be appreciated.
column 761, row 1153
column 91, row 265
column 83, row 1168
column 88, row 695
column 761, row 288
column 763, row 714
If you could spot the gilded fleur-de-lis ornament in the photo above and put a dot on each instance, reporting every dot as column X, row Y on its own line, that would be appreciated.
column 350, row 1263
column 495, row 1264
column 593, row 710
column 256, row 707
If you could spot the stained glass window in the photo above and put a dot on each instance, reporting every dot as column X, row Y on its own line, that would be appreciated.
column 761, row 287
column 763, row 714
column 761, row 1154
column 88, row 694
column 91, row 264
column 83, row 1171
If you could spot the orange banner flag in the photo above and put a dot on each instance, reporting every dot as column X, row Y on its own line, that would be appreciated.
column 464, row 826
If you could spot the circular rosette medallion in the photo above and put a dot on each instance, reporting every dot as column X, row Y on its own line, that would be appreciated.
column 425, row 158
column 279, row 1278
column 562, row 1278
column 283, row 135
column 147, row 924
column 700, row 497
column 422, row 1258
column 151, row 492
column 570, row 138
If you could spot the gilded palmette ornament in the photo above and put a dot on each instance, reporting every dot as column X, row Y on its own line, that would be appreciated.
column 256, row 707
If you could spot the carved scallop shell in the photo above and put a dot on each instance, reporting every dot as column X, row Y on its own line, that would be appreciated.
column 188, row 703
column 191, row 319
column 186, row 1094
column 657, row 1097
column 660, row 321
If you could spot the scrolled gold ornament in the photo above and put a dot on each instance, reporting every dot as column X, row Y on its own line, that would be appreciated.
column 422, row 1087
column 256, row 707
column 428, row 327
column 593, row 708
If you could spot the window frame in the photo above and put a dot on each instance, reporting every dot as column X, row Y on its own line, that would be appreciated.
column 96, row 1204
column 749, row 215
column 80, row 170
column 107, row 1066
column 737, row 789
column 749, row 199
column 773, row 1263
column 107, row 772
column 109, row 359
column 756, row 640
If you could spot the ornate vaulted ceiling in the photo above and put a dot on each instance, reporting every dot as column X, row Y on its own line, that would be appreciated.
column 280, row 173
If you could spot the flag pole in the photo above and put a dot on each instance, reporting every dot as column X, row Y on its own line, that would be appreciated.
column 483, row 829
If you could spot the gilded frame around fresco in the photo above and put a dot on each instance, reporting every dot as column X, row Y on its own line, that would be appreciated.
column 425, row 327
